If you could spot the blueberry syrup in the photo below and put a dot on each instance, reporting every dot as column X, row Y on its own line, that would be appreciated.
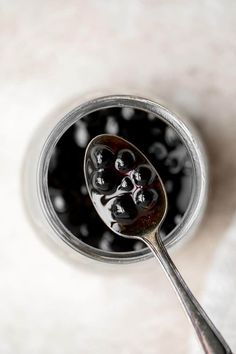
column 154, row 138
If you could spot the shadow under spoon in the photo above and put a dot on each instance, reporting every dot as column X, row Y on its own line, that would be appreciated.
column 130, row 198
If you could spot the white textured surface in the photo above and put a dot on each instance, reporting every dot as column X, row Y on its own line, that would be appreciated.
column 51, row 51
column 219, row 296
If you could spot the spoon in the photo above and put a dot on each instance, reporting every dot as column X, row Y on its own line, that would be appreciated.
column 130, row 198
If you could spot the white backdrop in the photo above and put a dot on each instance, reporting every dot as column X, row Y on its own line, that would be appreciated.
column 52, row 51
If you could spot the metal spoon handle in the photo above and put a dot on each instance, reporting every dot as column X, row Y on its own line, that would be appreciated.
column 210, row 338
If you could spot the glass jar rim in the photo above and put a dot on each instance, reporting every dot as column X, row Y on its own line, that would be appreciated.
column 188, row 136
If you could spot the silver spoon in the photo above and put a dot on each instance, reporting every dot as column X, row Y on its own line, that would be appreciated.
column 130, row 198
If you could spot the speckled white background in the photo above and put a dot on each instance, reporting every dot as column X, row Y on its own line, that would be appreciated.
column 52, row 51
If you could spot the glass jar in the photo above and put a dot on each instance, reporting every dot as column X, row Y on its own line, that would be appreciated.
column 36, row 191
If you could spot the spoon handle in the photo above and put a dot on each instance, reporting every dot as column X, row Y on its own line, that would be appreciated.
column 210, row 338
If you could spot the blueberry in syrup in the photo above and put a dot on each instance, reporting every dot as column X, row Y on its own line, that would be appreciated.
column 123, row 210
column 159, row 151
column 104, row 181
column 102, row 156
column 126, row 184
column 66, row 177
column 146, row 198
column 125, row 160
column 171, row 137
column 143, row 175
column 176, row 160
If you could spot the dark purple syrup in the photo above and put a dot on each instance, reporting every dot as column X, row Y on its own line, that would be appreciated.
column 153, row 137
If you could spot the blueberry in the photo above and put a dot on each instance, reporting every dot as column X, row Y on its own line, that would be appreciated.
column 143, row 175
column 171, row 137
column 59, row 203
column 173, row 164
column 106, row 240
column 126, row 184
column 169, row 185
column 156, row 132
column 176, row 160
column 123, row 210
column 104, row 181
column 81, row 134
column 146, row 198
column 127, row 113
column 187, row 169
column 84, row 230
column 125, row 160
column 112, row 126
column 102, row 156
column 138, row 245
column 159, row 150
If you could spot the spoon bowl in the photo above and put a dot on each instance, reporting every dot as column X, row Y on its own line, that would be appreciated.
column 135, row 202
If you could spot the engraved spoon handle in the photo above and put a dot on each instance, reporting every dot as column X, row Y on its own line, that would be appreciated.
column 210, row 338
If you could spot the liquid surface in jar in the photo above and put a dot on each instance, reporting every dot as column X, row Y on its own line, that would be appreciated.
column 124, row 187
column 158, row 141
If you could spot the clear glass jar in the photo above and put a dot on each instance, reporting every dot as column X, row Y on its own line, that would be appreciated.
column 36, row 193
